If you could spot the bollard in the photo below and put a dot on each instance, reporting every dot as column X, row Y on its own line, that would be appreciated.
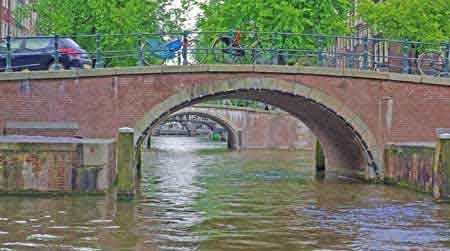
column 125, row 161
column 441, row 168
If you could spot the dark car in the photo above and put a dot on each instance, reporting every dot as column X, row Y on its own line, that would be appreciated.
column 38, row 54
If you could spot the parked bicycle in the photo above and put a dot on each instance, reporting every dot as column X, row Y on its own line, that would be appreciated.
column 186, row 51
column 227, row 50
column 431, row 62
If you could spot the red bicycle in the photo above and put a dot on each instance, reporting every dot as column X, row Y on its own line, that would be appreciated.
column 227, row 50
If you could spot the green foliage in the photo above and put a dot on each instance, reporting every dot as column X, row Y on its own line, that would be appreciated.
column 296, row 16
column 76, row 17
column 419, row 20
column 305, row 16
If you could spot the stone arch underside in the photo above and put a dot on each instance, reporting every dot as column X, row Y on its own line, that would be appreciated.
column 232, row 129
column 346, row 139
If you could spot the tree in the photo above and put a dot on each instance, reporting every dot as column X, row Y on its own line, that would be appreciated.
column 79, row 17
column 417, row 20
column 296, row 16
column 303, row 16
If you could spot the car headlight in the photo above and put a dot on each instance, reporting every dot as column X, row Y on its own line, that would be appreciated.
column 87, row 66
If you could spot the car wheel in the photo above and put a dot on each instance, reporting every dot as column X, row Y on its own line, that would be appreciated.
column 55, row 66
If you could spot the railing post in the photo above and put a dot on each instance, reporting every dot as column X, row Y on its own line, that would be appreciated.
column 275, row 48
column 8, row 54
column 319, row 51
column 405, row 56
column 140, row 50
column 185, row 49
column 98, row 54
column 56, row 53
column 365, row 65
column 446, row 60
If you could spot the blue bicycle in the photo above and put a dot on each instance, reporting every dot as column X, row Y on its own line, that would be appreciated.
column 176, row 51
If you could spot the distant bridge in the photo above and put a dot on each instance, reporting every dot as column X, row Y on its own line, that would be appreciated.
column 245, row 126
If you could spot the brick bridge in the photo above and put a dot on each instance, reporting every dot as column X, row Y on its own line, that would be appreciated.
column 354, row 114
column 249, row 128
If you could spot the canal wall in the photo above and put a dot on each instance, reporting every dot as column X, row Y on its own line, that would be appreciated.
column 46, row 164
column 421, row 167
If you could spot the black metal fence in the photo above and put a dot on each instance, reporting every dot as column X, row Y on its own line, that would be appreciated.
column 231, row 47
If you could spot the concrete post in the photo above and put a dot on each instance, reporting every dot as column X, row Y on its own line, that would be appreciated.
column 441, row 168
column 125, row 157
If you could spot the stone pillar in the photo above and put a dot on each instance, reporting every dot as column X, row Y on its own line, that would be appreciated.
column 125, row 161
column 441, row 168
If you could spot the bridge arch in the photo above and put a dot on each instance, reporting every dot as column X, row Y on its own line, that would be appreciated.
column 346, row 139
column 232, row 129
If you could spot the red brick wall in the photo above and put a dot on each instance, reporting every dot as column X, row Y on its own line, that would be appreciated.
column 100, row 105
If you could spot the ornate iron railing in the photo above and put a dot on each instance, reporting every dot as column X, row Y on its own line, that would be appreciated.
column 232, row 47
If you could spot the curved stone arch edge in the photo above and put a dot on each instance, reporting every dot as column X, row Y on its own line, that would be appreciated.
column 199, row 92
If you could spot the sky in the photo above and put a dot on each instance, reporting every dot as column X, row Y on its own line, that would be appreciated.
column 190, row 16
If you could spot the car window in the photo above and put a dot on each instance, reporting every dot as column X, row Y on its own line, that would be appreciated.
column 68, row 43
column 15, row 44
column 37, row 43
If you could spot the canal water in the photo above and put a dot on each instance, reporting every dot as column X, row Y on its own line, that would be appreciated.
column 194, row 195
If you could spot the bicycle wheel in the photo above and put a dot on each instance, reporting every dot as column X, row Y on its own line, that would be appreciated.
column 148, row 55
column 223, row 51
column 430, row 63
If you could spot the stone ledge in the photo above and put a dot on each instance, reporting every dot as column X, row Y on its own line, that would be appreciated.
column 270, row 69
column 52, row 140
column 412, row 144
column 42, row 125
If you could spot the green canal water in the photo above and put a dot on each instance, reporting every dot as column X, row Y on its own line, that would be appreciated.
column 196, row 196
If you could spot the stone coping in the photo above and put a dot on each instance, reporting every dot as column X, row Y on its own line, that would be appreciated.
column 413, row 144
column 51, row 140
column 444, row 136
column 41, row 125
column 270, row 69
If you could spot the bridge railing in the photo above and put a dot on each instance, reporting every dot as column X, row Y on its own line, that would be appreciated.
column 231, row 47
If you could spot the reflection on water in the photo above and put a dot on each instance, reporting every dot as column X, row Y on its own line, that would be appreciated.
column 196, row 199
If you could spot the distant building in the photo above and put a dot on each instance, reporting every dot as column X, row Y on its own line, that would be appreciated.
column 15, row 26
column 383, row 55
